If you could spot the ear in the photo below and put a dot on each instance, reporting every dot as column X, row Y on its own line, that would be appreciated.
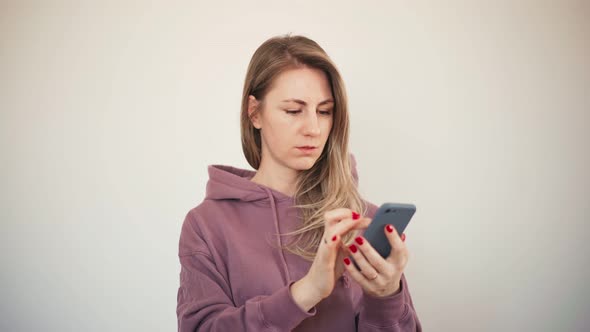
column 252, row 106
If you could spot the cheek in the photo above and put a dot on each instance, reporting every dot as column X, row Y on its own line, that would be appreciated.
column 276, row 137
column 327, row 128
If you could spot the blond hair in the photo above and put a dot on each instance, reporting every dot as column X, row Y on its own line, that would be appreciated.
column 327, row 185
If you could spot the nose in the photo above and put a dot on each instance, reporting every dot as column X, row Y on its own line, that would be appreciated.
column 312, row 125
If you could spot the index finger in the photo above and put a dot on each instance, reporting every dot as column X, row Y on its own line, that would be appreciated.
column 333, row 217
column 347, row 225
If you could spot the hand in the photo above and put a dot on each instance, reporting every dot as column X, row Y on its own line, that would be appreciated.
column 378, row 277
column 321, row 278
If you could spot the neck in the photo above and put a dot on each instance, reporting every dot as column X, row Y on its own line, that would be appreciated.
column 281, row 179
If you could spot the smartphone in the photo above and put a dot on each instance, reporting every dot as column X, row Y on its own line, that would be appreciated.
column 396, row 214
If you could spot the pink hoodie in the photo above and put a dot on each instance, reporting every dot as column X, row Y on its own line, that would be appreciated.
column 233, row 278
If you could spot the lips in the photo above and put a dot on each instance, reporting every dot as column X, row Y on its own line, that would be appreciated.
column 306, row 148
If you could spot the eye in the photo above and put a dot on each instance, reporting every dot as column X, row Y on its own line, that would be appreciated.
column 328, row 112
column 292, row 111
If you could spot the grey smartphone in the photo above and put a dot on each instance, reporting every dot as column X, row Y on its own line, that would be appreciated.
column 396, row 214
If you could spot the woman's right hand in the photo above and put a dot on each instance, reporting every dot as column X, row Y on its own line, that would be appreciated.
column 319, row 281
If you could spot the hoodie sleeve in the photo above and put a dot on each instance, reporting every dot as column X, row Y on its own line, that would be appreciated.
column 390, row 313
column 204, row 299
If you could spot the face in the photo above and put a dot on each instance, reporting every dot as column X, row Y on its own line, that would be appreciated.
column 297, row 112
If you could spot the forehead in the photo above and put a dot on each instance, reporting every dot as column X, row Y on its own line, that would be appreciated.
column 308, row 84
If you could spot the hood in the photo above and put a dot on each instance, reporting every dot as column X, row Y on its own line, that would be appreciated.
column 227, row 182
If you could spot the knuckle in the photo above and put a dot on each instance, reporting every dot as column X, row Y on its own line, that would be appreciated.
column 389, row 272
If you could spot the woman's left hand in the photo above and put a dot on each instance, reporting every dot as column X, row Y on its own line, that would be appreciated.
column 379, row 276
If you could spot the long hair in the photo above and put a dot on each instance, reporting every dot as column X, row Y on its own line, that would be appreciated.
column 327, row 185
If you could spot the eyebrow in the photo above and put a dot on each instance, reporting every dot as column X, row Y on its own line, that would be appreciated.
column 301, row 102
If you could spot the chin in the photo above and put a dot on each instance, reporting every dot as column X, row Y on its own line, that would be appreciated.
column 304, row 163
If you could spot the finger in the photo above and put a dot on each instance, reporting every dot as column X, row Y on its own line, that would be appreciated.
column 367, row 269
column 333, row 217
column 397, row 245
column 363, row 223
column 341, row 253
column 370, row 255
column 356, row 274
column 348, row 224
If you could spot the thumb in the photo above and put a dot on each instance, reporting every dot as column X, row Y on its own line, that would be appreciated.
column 394, row 239
column 331, row 247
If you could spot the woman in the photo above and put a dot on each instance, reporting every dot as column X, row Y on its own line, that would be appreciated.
column 270, row 250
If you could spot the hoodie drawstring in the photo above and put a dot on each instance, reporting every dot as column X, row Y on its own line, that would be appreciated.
column 276, row 221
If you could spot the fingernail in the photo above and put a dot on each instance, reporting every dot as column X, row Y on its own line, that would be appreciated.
column 389, row 228
column 352, row 248
column 359, row 240
column 347, row 261
column 334, row 238
column 355, row 215
column 403, row 237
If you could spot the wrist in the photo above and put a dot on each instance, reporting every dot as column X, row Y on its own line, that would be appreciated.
column 395, row 291
column 389, row 293
column 384, row 293
column 304, row 294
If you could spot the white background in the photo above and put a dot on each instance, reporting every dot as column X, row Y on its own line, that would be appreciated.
column 477, row 112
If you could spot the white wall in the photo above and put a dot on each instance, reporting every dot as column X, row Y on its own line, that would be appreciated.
column 477, row 112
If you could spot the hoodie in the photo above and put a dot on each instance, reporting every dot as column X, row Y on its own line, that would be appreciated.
column 233, row 277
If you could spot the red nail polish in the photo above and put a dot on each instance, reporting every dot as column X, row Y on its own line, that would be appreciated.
column 359, row 240
column 347, row 261
column 352, row 248
column 355, row 215
column 403, row 236
column 389, row 228
column 334, row 238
